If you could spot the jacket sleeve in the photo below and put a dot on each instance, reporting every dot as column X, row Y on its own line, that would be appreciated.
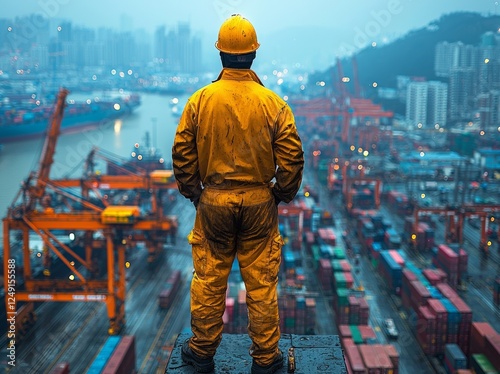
column 185, row 155
column 289, row 157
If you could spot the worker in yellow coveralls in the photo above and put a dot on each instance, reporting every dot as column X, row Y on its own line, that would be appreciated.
column 236, row 155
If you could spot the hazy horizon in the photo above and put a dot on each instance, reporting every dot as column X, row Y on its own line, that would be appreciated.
column 312, row 35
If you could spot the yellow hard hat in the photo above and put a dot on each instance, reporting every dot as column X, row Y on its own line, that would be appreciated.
column 237, row 36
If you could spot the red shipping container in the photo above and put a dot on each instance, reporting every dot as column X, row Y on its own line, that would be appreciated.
column 443, row 276
column 369, row 357
column 397, row 257
column 346, row 267
column 409, row 276
column 448, row 255
column 349, row 279
column 479, row 330
column 447, row 291
column 375, row 358
column 367, row 333
column 230, row 307
column 345, row 331
column 426, row 321
column 327, row 235
column 384, row 361
column 354, row 360
column 492, row 349
column 364, row 311
column 418, row 294
column 439, row 311
column 122, row 361
column 426, row 330
column 393, row 355
column 431, row 276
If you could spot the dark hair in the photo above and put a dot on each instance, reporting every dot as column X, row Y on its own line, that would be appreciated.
column 237, row 61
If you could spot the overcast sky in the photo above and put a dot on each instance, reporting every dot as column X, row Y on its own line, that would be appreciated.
column 328, row 27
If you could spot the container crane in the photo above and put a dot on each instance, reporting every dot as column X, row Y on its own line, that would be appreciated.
column 119, row 224
column 455, row 218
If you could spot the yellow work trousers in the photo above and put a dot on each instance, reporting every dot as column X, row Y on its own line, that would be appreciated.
column 242, row 223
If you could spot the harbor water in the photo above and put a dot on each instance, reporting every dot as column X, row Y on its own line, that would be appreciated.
column 155, row 116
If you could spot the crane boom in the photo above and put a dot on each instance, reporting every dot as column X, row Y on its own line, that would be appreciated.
column 49, row 147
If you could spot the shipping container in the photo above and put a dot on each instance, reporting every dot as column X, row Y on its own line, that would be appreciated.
column 432, row 276
column 344, row 331
column 392, row 239
column 167, row 295
column 354, row 310
column 479, row 331
column 375, row 359
column 356, row 335
column 439, row 311
column 447, row 291
column 354, row 360
column 492, row 349
column 425, row 330
column 385, row 362
column 122, row 361
column 390, row 271
column 481, row 365
column 453, row 321
column 327, row 235
column 104, row 354
column 454, row 358
column 393, row 356
column 367, row 334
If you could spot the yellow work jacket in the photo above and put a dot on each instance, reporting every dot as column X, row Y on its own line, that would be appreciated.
column 236, row 132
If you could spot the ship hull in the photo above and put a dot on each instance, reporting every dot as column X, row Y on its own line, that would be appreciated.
column 12, row 132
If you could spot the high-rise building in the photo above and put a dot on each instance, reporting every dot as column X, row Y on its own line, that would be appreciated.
column 160, row 44
column 454, row 55
column 462, row 91
column 489, row 63
column 437, row 103
column 180, row 51
column 488, row 108
column 426, row 104
column 416, row 103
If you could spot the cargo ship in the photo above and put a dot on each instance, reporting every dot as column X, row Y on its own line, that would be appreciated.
column 29, row 119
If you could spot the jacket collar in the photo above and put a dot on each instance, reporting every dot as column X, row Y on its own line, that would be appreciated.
column 238, row 75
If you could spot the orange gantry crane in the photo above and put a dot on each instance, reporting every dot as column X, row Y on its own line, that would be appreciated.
column 455, row 219
column 344, row 109
column 118, row 226
column 352, row 179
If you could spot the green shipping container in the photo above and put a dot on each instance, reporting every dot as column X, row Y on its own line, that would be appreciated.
column 356, row 334
column 338, row 253
column 316, row 255
column 481, row 365
column 340, row 281
column 336, row 266
column 342, row 296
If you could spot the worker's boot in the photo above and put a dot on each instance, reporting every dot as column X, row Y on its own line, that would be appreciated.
column 201, row 364
column 268, row 369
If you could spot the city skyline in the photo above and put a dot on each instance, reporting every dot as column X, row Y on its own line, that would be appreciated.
column 289, row 32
